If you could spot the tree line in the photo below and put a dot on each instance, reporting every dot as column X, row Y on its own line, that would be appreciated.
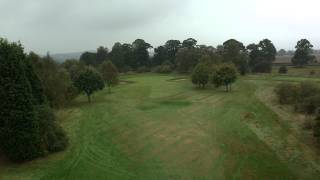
column 183, row 56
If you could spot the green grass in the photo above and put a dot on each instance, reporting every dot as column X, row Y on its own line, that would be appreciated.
column 161, row 127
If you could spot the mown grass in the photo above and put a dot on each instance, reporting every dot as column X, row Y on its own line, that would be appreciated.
column 161, row 127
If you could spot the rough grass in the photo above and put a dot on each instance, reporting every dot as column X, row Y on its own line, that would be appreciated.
column 159, row 128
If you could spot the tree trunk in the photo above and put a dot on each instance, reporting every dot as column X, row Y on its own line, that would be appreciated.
column 227, row 87
column 109, row 89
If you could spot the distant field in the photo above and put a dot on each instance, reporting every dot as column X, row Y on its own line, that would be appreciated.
column 287, row 59
column 161, row 127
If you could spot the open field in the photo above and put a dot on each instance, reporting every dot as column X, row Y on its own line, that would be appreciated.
column 161, row 127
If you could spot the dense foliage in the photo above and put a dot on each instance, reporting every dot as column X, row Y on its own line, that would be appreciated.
column 303, row 96
column 89, row 81
column 200, row 75
column 302, row 55
column 261, row 56
column 224, row 75
column 184, row 56
column 109, row 74
column 27, row 124
column 56, row 80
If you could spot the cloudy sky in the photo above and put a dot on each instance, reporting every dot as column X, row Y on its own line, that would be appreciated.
column 62, row 26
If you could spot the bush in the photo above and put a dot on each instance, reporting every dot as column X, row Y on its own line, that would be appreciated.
column 287, row 93
column 163, row 69
column 308, row 105
column 283, row 70
column 224, row 75
column 143, row 69
column 200, row 75
column 304, row 96
column 54, row 138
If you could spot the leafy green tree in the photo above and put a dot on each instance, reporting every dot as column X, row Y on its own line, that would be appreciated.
column 282, row 52
column 200, row 75
column 26, row 128
column 224, row 75
column 19, row 126
column 56, row 81
column 122, row 56
column 261, row 56
column 231, row 49
column 235, row 52
column 140, row 53
column 109, row 74
column 189, row 43
column 89, row 81
column 210, row 61
column 172, row 47
column 187, row 59
column 268, row 51
column 89, row 58
column 160, row 56
column 302, row 55
column 102, row 55
column 74, row 68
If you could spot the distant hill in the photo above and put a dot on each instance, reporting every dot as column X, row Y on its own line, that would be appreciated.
column 61, row 57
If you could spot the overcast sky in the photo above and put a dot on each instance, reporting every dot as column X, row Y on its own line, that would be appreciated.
column 76, row 25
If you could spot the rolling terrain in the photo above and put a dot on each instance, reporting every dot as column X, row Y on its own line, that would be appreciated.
column 161, row 127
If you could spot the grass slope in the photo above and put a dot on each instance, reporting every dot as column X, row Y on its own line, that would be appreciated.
column 160, row 127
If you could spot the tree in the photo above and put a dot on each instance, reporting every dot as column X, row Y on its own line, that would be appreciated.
column 109, row 74
column 261, row 56
column 302, row 55
column 224, row 75
column 19, row 125
column 200, row 75
column 187, row 59
column 282, row 52
column 117, row 55
column 26, row 129
column 235, row 52
column 189, row 43
column 160, row 56
column 89, row 81
column 140, row 53
column 122, row 56
column 172, row 47
column 56, row 81
column 102, row 55
column 74, row 68
column 89, row 58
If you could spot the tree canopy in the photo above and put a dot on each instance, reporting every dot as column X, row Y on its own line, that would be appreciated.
column 109, row 74
column 224, row 75
column 89, row 81
column 27, row 131
column 261, row 56
column 200, row 75
column 302, row 55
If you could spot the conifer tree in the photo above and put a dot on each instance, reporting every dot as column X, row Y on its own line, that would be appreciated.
column 19, row 125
